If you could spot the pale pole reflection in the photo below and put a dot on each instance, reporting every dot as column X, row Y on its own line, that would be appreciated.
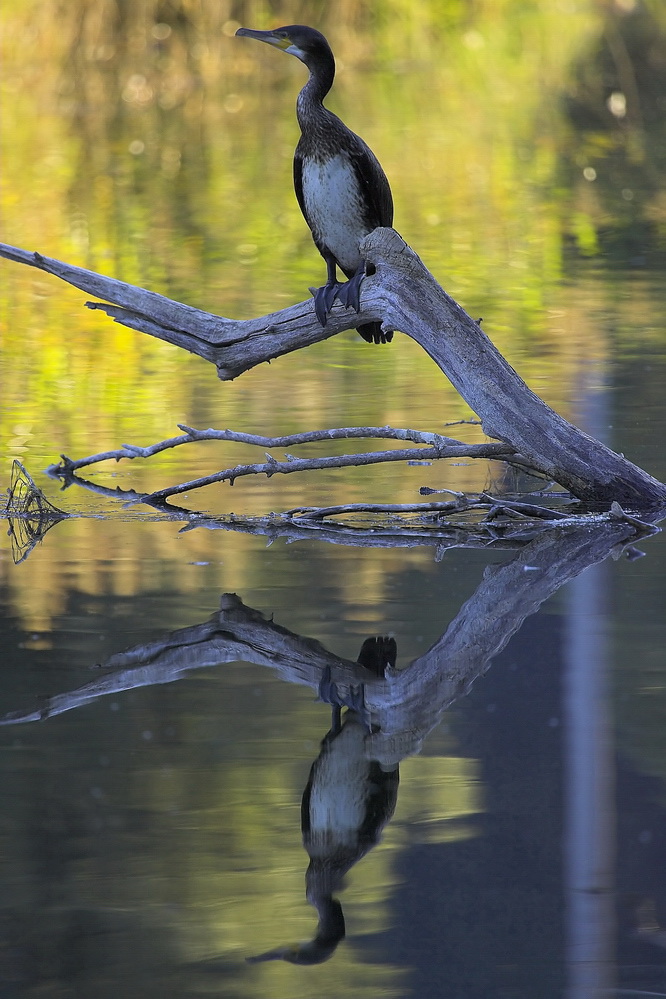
column 589, row 822
column 589, row 769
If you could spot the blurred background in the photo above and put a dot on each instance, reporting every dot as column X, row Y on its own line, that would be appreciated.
column 525, row 143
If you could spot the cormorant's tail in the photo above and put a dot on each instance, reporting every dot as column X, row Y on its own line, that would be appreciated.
column 372, row 333
column 378, row 653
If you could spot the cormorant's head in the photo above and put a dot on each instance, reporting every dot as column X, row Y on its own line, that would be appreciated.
column 307, row 44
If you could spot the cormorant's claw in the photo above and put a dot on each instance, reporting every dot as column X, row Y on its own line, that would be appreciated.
column 323, row 301
column 355, row 701
column 328, row 691
column 349, row 293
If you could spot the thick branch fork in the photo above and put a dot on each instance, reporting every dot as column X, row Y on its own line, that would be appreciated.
column 403, row 295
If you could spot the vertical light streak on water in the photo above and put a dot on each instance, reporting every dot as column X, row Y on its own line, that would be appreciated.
column 589, row 770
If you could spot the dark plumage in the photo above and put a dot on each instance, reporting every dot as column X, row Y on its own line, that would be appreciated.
column 341, row 188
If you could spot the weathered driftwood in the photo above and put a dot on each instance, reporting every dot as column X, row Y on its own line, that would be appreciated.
column 505, row 524
column 404, row 296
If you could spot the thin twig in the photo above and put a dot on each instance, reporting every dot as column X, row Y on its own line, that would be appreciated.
column 292, row 464
column 192, row 435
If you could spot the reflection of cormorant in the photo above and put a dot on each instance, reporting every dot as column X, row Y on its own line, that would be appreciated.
column 341, row 188
column 346, row 803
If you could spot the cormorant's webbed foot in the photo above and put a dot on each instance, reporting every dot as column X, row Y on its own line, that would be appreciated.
column 355, row 701
column 323, row 300
column 349, row 293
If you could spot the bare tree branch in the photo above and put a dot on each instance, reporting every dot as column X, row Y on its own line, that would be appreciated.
column 440, row 447
column 507, row 524
column 496, row 506
column 191, row 435
column 233, row 345
column 292, row 464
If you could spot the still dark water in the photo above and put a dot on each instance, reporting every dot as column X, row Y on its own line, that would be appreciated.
column 159, row 720
column 151, row 836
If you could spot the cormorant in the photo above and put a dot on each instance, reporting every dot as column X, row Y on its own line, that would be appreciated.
column 340, row 186
column 346, row 803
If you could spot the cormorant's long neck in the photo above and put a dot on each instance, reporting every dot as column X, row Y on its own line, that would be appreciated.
column 309, row 105
column 331, row 927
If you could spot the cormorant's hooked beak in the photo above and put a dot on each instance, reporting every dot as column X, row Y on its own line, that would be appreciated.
column 277, row 38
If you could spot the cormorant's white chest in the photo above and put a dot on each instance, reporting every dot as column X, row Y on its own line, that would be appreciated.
column 340, row 790
column 334, row 208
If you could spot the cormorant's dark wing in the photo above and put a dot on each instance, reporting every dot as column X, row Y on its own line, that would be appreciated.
column 374, row 184
column 305, row 802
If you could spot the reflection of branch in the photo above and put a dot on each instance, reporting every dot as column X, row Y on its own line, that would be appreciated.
column 417, row 696
column 235, row 632
column 29, row 513
column 394, row 531
column 408, row 703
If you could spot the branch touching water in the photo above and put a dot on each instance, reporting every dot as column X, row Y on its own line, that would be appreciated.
column 404, row 296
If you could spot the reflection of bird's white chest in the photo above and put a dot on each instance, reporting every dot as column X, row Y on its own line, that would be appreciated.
column 333, row 207
column 338, row 799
